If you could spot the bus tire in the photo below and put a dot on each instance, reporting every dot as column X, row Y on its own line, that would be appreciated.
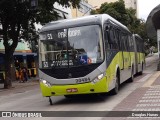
column 115, row 90
column 131, row 79
column 141, row 72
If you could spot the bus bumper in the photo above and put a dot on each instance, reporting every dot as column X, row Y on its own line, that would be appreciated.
column 86, row 88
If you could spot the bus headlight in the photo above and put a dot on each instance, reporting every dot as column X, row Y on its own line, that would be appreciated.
column 45, row 83
column 98, row 78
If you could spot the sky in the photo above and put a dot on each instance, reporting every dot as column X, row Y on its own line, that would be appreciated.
column 145, row 7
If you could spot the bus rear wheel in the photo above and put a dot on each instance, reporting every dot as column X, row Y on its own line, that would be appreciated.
column 131, row 79
column 141, row 72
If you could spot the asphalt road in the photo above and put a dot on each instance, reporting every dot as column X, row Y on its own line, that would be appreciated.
column 32, row 100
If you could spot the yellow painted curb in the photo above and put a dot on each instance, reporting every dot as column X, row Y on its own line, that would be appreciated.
column 151, row 79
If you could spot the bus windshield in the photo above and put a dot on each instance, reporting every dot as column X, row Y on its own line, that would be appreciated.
column 71, row 47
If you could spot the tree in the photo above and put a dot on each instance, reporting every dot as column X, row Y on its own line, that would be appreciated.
column 115, row 9
column 126, row 16
column 17, row 15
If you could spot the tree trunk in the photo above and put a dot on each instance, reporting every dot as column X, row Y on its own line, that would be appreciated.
column 9, row 50
column 9, row 69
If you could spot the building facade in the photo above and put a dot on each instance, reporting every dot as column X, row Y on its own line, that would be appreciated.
column 131, row 4
column 98, row 3
column 64, row 12
column 85, row 9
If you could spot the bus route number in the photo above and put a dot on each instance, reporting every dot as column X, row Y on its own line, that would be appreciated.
column 45, row 64
column 49, row 36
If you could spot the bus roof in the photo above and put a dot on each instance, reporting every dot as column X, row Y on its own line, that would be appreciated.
column 138, row 36
column 81, row 21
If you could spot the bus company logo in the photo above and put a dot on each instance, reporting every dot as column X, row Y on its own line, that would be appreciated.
column 6, row 114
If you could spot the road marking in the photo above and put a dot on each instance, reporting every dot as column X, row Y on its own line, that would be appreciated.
column 153, row 100
column 151, row 79
column 147, row 105
column 144, row 78
column 150, row 97
column 145, row 109
column 152, row 91
column 149, row 94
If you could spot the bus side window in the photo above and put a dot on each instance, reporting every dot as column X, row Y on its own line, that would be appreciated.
column 126, row 42
column 118, row 38
column 137, row 43
column 107, row 37
column 113, row 39
column 131, row 45
column 120, row 41
column 123, row 42
column 141, row 43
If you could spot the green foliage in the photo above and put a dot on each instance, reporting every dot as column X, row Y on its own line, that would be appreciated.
column 19, row 14
column 116, row 10
column 126, row 16
column 17, row 18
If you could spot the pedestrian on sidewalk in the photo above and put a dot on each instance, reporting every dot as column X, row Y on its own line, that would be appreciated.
column 21, row 76
column 25, row 74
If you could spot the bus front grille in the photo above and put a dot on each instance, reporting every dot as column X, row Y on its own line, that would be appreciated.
column 72, row 72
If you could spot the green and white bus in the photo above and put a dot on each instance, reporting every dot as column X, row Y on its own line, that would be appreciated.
column 92, row 54
column 139, row 54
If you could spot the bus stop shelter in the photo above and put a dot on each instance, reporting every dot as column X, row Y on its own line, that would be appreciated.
column 153, row 27
column 153, row 23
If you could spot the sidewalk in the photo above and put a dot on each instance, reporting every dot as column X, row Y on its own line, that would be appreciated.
column 150, row 55
column 145, row 98
column 19, row 86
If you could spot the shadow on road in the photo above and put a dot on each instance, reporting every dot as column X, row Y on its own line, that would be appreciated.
column 93, row 98
column 82, row 99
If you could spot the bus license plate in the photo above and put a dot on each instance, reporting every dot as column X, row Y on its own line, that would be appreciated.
column 70, row 90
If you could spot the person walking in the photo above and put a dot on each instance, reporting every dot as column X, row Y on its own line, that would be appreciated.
column 21, row 77
column 25, row 74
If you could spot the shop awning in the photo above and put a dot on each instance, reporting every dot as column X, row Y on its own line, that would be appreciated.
column 25, row 54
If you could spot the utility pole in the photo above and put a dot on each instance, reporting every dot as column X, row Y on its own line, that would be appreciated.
column 89, row 10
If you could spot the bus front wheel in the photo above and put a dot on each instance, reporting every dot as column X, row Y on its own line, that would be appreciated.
column 50, row 101
column 116, row 88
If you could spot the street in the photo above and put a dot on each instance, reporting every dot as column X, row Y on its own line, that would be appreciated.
column 126, row 100
column 91, row 59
